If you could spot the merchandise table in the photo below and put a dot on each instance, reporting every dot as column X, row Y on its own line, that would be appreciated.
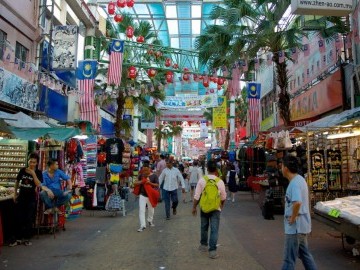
column 254, row 183
column 7, row 210
column 346, row 228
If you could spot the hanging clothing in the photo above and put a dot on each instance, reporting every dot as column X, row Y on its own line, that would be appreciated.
column 114, row 148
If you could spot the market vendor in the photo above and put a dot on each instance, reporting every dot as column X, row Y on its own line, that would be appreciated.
column 52, row 193
column 27, row 180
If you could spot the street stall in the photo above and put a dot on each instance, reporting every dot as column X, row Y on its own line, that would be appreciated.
column 333, row 175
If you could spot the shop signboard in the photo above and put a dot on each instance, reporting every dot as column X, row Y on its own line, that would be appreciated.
column 65, row 46
column 189, row 101
column 267, row 123
column 321, row 98
column 334, row 169
column 127, row 117
column 17, row 91
column 322, row 7
column 220, row 114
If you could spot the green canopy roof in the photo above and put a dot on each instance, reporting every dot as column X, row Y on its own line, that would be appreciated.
column 59, row 134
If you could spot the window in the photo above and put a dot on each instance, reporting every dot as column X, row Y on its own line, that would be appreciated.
column 21, row 52
column 3, row 37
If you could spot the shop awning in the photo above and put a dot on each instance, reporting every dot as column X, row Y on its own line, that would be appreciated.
column 22, row 120
column 59, row 134
column 333, row 120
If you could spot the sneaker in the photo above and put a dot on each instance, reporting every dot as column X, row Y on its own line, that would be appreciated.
column 174, row 211
column 141, row 229
column 151, row 224
column 49, row 211
column 27, row 243
column 15, row 243
column 233, row 200
column 203, row 248
column 213, row 254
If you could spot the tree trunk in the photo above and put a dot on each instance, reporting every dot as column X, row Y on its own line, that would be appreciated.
column 120, row 100
column 284, row 97
column 158, row 144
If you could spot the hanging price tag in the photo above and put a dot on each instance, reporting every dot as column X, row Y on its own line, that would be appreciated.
column 334, row 213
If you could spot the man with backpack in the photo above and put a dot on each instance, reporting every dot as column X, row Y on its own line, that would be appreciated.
column 211, row 194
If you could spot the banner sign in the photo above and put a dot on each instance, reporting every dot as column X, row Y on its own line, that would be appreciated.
column 189, row 101
column 17, row 91
column 203, row 130
column 190, row 133
column 323, row 7
column 65, row 46
column 182, row 115
column 220, row 113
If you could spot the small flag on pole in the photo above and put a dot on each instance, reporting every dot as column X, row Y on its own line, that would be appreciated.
column 322, row 47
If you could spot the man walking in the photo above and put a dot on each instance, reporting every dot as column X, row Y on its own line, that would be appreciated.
column 297, row 218
column 210, row 219
column 169, row 181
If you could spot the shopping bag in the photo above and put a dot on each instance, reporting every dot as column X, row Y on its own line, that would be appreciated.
column 113, row 202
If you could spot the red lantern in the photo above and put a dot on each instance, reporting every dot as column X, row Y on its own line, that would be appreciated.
column 213, row 79
column 158, row 54
column 111, row 8
column 167, row 62
column 220, row 81
column 140, row 39
column 206, row 82
column 151, row 73
column 186, row 77
column 121, row 3
column 201, row 77
column 219, row 87
column 169, row 77
column 186, row 70
column 175, row 66
column 130, row 31
column 132, row 72
column 118, row 18
column 130, row 3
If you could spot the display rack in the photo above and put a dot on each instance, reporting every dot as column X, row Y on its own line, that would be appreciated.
column 12, row 158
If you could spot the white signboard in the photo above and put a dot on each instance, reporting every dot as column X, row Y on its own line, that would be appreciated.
column 189, row 101
column 65, row 46
column 322, row 7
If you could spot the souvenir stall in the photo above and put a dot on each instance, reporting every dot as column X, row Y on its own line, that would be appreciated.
column 333, row 175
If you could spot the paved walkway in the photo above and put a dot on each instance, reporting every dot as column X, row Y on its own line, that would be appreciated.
column 97, row 240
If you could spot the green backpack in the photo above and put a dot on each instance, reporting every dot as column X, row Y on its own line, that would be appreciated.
column 210, row 197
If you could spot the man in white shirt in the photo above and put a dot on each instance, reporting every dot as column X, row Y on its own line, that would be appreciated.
column 169, row 181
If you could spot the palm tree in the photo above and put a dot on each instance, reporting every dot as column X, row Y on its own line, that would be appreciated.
column 256, row 27
column 164, row 131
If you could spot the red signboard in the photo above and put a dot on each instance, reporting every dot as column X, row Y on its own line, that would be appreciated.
column 321, row 98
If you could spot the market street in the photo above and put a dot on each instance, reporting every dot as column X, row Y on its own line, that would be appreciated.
column 97, row 240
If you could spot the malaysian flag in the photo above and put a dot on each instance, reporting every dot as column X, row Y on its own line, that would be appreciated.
column 338, row 42
column 306, row 50
column 281, row 55
column 116, row 59
column 294, row 54
column 86, row 73
column 254, row 90
column 322, row 47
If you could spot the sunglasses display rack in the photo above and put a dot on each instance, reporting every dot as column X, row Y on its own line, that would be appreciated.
column 12, row 158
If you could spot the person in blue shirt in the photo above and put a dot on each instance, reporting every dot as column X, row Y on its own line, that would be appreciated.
column 297, row 220
column 52, row 188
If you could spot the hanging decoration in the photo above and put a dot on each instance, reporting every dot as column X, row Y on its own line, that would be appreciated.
column 151, row 73
column 220, row 81
column 130, row 3
column 186, row 77
column 118, row 18
column 206, row 81
column 158, row 54
column 130, row 31
column 167, row 62
column 169, row 77
column 150, row 51
column 175, row 66
column 121, row 3
column 132, row 72
column 219, row 87
column 140, row 39
column 111, row 8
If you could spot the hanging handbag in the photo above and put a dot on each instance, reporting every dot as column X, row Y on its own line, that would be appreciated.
column 113, row 203
column 288, row 144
